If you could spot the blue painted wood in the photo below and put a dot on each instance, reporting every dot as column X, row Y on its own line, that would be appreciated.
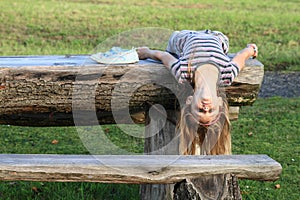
column 52, row 60
column 47, row 60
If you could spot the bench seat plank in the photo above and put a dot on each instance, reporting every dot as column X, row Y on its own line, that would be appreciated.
column 135, row 169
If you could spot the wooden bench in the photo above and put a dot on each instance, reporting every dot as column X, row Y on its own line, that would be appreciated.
column 48, row 90
column 137, row 169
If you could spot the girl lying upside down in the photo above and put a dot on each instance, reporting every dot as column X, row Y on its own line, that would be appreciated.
column 200, row 58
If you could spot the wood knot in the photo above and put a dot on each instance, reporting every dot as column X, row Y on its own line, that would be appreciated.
column 154, row 173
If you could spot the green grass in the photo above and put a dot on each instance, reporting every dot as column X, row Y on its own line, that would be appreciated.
column 273, row 123
column 68, row 191
column 274, row 130
column 78, row 26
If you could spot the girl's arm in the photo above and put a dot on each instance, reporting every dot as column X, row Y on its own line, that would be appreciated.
column 243, row 55
column 166, row 58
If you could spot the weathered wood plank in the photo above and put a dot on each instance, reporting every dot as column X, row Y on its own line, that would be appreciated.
column 48, row 88
column 234, row 112
column 135, row 169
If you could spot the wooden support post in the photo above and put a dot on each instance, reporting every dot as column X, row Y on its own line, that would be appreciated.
column 160, row 139
column 213, row 187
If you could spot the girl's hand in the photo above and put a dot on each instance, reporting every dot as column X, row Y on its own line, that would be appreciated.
column 143, row 52
column 255, row 50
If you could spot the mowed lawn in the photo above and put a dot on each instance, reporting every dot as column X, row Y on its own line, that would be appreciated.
column 271, row 126
column 78, row 26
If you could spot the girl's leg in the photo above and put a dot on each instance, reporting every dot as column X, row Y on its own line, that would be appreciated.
column 172, row 45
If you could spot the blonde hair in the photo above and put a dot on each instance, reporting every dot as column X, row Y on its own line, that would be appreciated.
column 198, row 139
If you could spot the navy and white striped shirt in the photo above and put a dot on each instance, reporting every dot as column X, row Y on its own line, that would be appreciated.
column 195, row 48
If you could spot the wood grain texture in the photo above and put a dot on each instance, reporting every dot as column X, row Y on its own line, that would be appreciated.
column 48, row 88
column 160, row 139
column 133, row 168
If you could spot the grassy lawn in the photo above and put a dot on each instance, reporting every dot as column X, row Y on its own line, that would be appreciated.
column 78, row 26
column 271, row 126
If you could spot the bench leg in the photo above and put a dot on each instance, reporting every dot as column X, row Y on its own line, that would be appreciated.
column 215, row 187
column 159, row 142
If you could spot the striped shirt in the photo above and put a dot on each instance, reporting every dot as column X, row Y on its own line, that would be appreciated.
column 196, row 48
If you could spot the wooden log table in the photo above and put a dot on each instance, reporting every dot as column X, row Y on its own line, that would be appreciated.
column 48, row 88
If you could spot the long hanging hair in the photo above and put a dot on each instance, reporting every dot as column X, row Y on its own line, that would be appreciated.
column 196, row 139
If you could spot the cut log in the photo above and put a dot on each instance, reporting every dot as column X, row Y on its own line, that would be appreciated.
column 135, row 169
column 160, row 139
column 216, row 187
column 46, row 90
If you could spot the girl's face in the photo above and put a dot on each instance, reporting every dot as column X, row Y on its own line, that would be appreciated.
column 205, row 105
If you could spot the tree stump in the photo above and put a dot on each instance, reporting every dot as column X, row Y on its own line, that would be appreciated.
column 213, row 187
column 158, row 141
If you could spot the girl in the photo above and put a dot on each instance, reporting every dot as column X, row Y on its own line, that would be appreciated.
column 200, row 58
